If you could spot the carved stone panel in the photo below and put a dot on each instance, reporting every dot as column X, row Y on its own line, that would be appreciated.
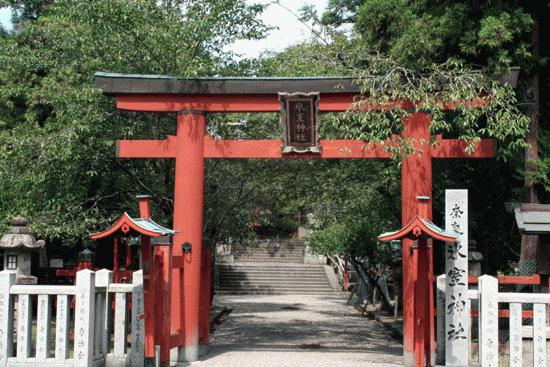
column 457, row 310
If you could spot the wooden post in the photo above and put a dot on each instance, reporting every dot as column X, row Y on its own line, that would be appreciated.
column 416, row 180
column 163, row 319
column 7, row 279
column 422, row 309
column 457, row 315
column 149, row 295
column 188, row 211
column 346, row 274
column 115, row 260
column 84, row 318
column 205, row 296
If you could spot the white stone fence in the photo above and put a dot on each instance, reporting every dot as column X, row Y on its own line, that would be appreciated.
column 488, row 299
column 29, row 339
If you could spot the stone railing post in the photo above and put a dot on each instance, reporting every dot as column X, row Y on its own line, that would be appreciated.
column 488, row 321
column 84, row 318
column 103, row 278
column 137, row 357
column 7, row 279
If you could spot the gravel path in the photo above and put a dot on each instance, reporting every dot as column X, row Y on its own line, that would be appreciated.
column 295, row 331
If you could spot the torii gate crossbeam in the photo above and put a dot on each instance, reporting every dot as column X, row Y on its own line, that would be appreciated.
column 193, row 98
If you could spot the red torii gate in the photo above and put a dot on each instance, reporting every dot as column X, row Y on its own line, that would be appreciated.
column 192, row 99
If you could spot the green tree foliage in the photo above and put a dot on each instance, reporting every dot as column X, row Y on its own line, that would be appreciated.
column 57, row 131
column 419, row 33
column 404, row 49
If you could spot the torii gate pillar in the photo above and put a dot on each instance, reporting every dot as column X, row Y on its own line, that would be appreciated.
column 188, row 220
column 416, row 180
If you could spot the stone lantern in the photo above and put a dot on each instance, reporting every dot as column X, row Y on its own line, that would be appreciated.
column 18, row 244
column 474, row 259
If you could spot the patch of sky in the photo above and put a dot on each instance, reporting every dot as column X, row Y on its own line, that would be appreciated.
column 5, row 18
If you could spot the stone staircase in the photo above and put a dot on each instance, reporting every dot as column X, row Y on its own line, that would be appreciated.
column 273, row 268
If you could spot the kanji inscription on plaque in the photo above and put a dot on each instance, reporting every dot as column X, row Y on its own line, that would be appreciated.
column 300, row 121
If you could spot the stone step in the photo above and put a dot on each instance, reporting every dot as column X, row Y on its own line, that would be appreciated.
column 279, row 289
column 282, row 266
column 269, row 256
column 271, row 260
column 270, row 290
column 270, row 253
column 319, row 285
column 226, row 281
column 272, row 275
column 270, row 250
column 263, row 291
column 272, row 272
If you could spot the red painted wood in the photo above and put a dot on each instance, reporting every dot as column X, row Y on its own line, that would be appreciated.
column 177, row 262
column 188, row 212
column 422, row 310
column 416, row 229
column 340, row 149
column 65, row 273
column 116, row 275
column 532, row 279
column 175, row 340
column 416, row 180
column 346, row 274
column 503, row 314
column 128, row 255
column 149, row 294
column 145, row 207
column 124, row 220
column 330, row 102
column 272, row 149
column 163, row 319
column 455, row 148
column 206, row 278
column 147, row 148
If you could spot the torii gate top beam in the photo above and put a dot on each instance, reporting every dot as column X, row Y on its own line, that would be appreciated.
column 159, row 93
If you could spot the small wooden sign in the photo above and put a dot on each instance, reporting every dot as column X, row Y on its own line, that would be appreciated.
column 300, row 121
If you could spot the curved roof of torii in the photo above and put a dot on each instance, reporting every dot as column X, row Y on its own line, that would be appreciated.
column 419, row 228
column 127, row 225
column 116, row 83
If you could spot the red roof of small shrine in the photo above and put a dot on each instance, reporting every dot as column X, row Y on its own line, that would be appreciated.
column 127, row 226
column 419, row 228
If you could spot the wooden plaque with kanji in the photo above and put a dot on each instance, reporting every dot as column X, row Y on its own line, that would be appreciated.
column 300, row 122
